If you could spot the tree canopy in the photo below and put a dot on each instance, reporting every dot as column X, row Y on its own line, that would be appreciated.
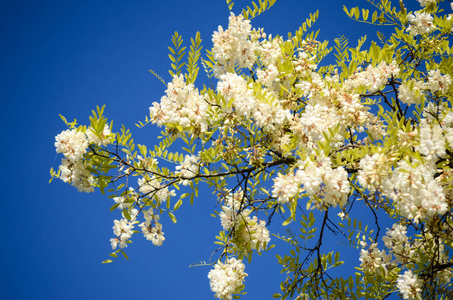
column 279, row 127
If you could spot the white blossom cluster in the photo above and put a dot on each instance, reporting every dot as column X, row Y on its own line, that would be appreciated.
column 249, row 232
column 409, row 285
column 123, row 230
column 373, row 78
column 267, row 114
column 227, row 278
column 372, row 171
column 235, row 46
column 73, row 145
column 188, row 169
column 331, row 186
column 102, row 139
column 420, row 23
column 432, row 141
column 427, row 2
column 319, row 180
column 411, row 91
column 415, row 192
column 373, row 259
column 396, row 241
column 316, row 119
column 152, row 188
column 438, row 82
column 151, row 228
column 182, row 105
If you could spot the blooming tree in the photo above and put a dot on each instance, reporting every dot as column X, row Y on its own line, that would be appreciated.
column 282, row 132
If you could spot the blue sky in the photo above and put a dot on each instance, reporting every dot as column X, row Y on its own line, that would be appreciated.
column 66, row 57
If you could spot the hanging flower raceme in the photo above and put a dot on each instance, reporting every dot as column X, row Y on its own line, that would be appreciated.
column 227, row 278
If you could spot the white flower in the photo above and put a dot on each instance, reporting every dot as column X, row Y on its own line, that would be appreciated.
column 373, row 78
column 409, row 285
column 420, row 23
column 188, row 169
column 103, row 139
column 77, row 174
column 372, row 170
column 372, row 259
column 438, row 82
column 432, row 141
column 415, row 192
column 234, row 46
column 426, row 2
column 285, row 187
column 397, row 242
column 123, row 230
column 182, row 105
column 152, row 229
column 411, row 92
column 152, row 188
column 330, row 186
column 72, row 144
column 227, row 278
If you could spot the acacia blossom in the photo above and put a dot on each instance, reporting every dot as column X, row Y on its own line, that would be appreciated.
column 123, row 230
column 182, row 105
column 188, row 169
column 72, row 143
column 234, row 46
column 249, row 233
column 432, row 141
column 411, row 92
column 409, row 285
column 152, row 188
column 372, row 170
column 397, row 242
column 151, row 228
column 373, row 259
column 103, row 139
column 227, row 278
column 77, row 174
column 420, row 23
column 320, row 181
column 373, row 78
column 438, row 82
column 415, row 192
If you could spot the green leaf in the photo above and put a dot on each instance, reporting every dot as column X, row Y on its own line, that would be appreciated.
column 172, row 217
column 177, row 205
column 107, row 261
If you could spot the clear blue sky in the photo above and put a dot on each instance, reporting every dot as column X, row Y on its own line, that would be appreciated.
column 65, row 57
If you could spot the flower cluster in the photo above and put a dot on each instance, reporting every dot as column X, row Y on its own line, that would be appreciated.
column 397, row 242
column 372, row 171
column 420, row 23
column 373, row 259
column 73, row 144
column 415, row 192
column 227, row 278
column 373, row 78
column 320, row 181
column 102, row 139
column 151, row 228
column 427, row 2
column 234, row 46
column 123, row 230
column 152, row 188
column 182, row 105
column 409, row 285
column 188, row 169
column 411, row 91
column 438, row 82
column 249, row 233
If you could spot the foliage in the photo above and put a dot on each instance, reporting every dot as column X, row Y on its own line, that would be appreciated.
column 285, row 133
